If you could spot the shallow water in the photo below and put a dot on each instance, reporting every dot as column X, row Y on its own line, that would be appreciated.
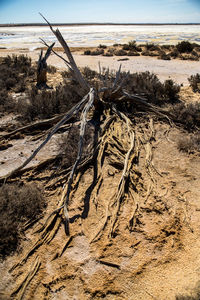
column 93, row 35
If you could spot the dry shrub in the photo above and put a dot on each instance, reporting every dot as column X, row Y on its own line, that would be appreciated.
column 89, row 73
column 133, row 53
column 87, row 52
column 187, row 114
column 68, row 147
column 166, row 47
column 46, row 103
column 120, row 52
column 189, row 144
column 194, row 81
column 149, row 85
column 164, row 56
column 102, row 46
column 174, row 53
column 152, row 47
column 97, row 52
column 17, row 205
column 131, row 46
column 20, row 63
column 184, row 47
column 145, row 53
column 14, row 71
column 6, row 102
column 51, row 69
column 189, row 57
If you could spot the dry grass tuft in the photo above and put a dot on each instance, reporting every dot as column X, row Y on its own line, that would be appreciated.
column 189, row 144
column 18, row 204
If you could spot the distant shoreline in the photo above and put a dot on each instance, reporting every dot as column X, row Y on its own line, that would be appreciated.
column 93, row 24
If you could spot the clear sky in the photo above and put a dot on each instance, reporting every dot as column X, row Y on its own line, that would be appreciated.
column 119, row 11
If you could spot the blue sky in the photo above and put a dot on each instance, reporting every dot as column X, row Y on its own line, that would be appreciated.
column 72, row 11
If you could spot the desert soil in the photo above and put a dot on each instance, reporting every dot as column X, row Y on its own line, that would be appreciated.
column 154, row 252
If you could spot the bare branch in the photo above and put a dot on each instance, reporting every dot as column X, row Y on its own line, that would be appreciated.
column 80, row 148
column 69, row 114
column 73, row 65
column 66, row 61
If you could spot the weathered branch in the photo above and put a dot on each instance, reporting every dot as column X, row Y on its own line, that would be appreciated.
column 72, row 63
column 30, row 127
column 66, row 61
column 75, row 109
column 80, row 147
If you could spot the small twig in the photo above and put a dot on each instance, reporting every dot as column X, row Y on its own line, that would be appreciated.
column 109, row 264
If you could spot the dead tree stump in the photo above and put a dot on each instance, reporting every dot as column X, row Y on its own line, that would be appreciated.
column 42, row 68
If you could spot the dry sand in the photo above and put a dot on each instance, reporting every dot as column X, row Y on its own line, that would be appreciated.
column 177, row 70
column 159, row 258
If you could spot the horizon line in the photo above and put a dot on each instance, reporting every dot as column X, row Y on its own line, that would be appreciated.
column 94, row 23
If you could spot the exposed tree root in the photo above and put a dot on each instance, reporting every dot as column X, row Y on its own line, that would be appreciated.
column 118, row 144
column 18, row 293
column 33, row 126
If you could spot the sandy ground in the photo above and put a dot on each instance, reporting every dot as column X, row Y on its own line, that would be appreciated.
column 155, row 252
column 177, row 70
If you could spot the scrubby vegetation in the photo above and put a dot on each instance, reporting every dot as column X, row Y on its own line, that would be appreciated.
column 46, row 103
column 149, row 85
column 14, row 71
column 187, row 114
column 194, row 81
column 184, row 47
column 183, row 50
column 18, row 205
column 189, row 144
